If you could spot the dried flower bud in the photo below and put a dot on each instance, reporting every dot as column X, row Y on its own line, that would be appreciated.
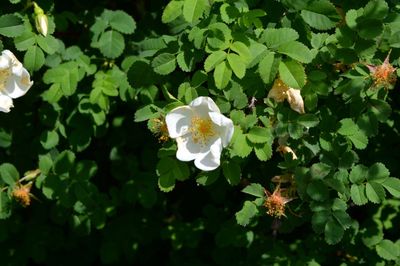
column 280, row 91
column 22, row 194
column 41, row 20
column 158, row 127
column 383, row 74
column 275, row 202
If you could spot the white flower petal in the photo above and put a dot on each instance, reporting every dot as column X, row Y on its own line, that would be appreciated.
column 5, row 103
column 5, row 62
column 295, row 100
column 211, row 160
column 204, row 105
column 187, row 149
column 17, row 86
column 178, row 121
column 225, row 127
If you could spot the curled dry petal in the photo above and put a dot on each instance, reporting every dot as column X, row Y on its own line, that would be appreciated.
column 286, row 149
column 295, row 100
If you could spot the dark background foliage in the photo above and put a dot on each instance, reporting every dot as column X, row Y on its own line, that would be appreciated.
column 101, row 203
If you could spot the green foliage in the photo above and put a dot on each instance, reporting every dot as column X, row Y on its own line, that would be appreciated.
column 88, row 169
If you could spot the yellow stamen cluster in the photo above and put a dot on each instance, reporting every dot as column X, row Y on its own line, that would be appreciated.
column 202, row 130
column 275, row 203
column 22, row 194
column 384, row 74
column 4, row 75
column 159, row 128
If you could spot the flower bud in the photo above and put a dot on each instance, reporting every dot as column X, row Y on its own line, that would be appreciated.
column 41, row 20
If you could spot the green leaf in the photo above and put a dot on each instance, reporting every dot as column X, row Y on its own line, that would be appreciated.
column 347, row 127
column 319, row 170
column 231, row 172
column 375, row 192
column 242, row 50
column 34, row 58
column 237, row 65
column 378, row 172
column 333, row 232
column 111, row 44
column 228, row 13
column 342, row 218
column 318, row 191
column 186, row 61
column 66, row 75
column 263, row 151
column 64, row 162
column 376, row 9
column 219, row 36
column 166, row 182
column 254, row 189
column 122, row 22
column 222, row 75
column 9, row 174
column 392, row 185
column 292, row 74
column 357, row 193
column 49, row 44
column 193, row 9
column 369, row 29
column 380, row 109
column 259, row 134
column 179, row 170
column 248, row 212
column 172, row 11
column 145, row 113
column 308, row 120
column 239, row 142
column 268, row 67
column 358, row 174
column 24, row 41
column 297, row 51
column 213, row 60
column 317, row 21
column 206, row 178
column 388, row 250
column 5, row 205
column 274, row 38
column 11, row 25
column 359, row 139
column 164, row 63
column 49, row 139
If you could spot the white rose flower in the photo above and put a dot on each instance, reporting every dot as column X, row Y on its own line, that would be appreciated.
column 14, row 80
column 201, row 131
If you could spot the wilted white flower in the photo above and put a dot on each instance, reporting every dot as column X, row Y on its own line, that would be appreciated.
column 14, row 80
column 201, row 131
column 280, row 91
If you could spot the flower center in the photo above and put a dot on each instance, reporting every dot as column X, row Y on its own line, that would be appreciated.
column 202, row 130
column 4, row 75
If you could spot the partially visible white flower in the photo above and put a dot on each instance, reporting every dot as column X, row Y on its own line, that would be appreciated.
column 201, row 131
column 41, row 20
column 14, row 80
column 280, row 91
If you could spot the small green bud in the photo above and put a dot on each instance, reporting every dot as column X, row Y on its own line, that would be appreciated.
column 41, row 20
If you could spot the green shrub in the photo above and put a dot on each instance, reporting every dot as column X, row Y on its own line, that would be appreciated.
column 288, row 108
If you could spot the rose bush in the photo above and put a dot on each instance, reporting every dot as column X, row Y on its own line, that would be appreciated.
column 288, row 108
